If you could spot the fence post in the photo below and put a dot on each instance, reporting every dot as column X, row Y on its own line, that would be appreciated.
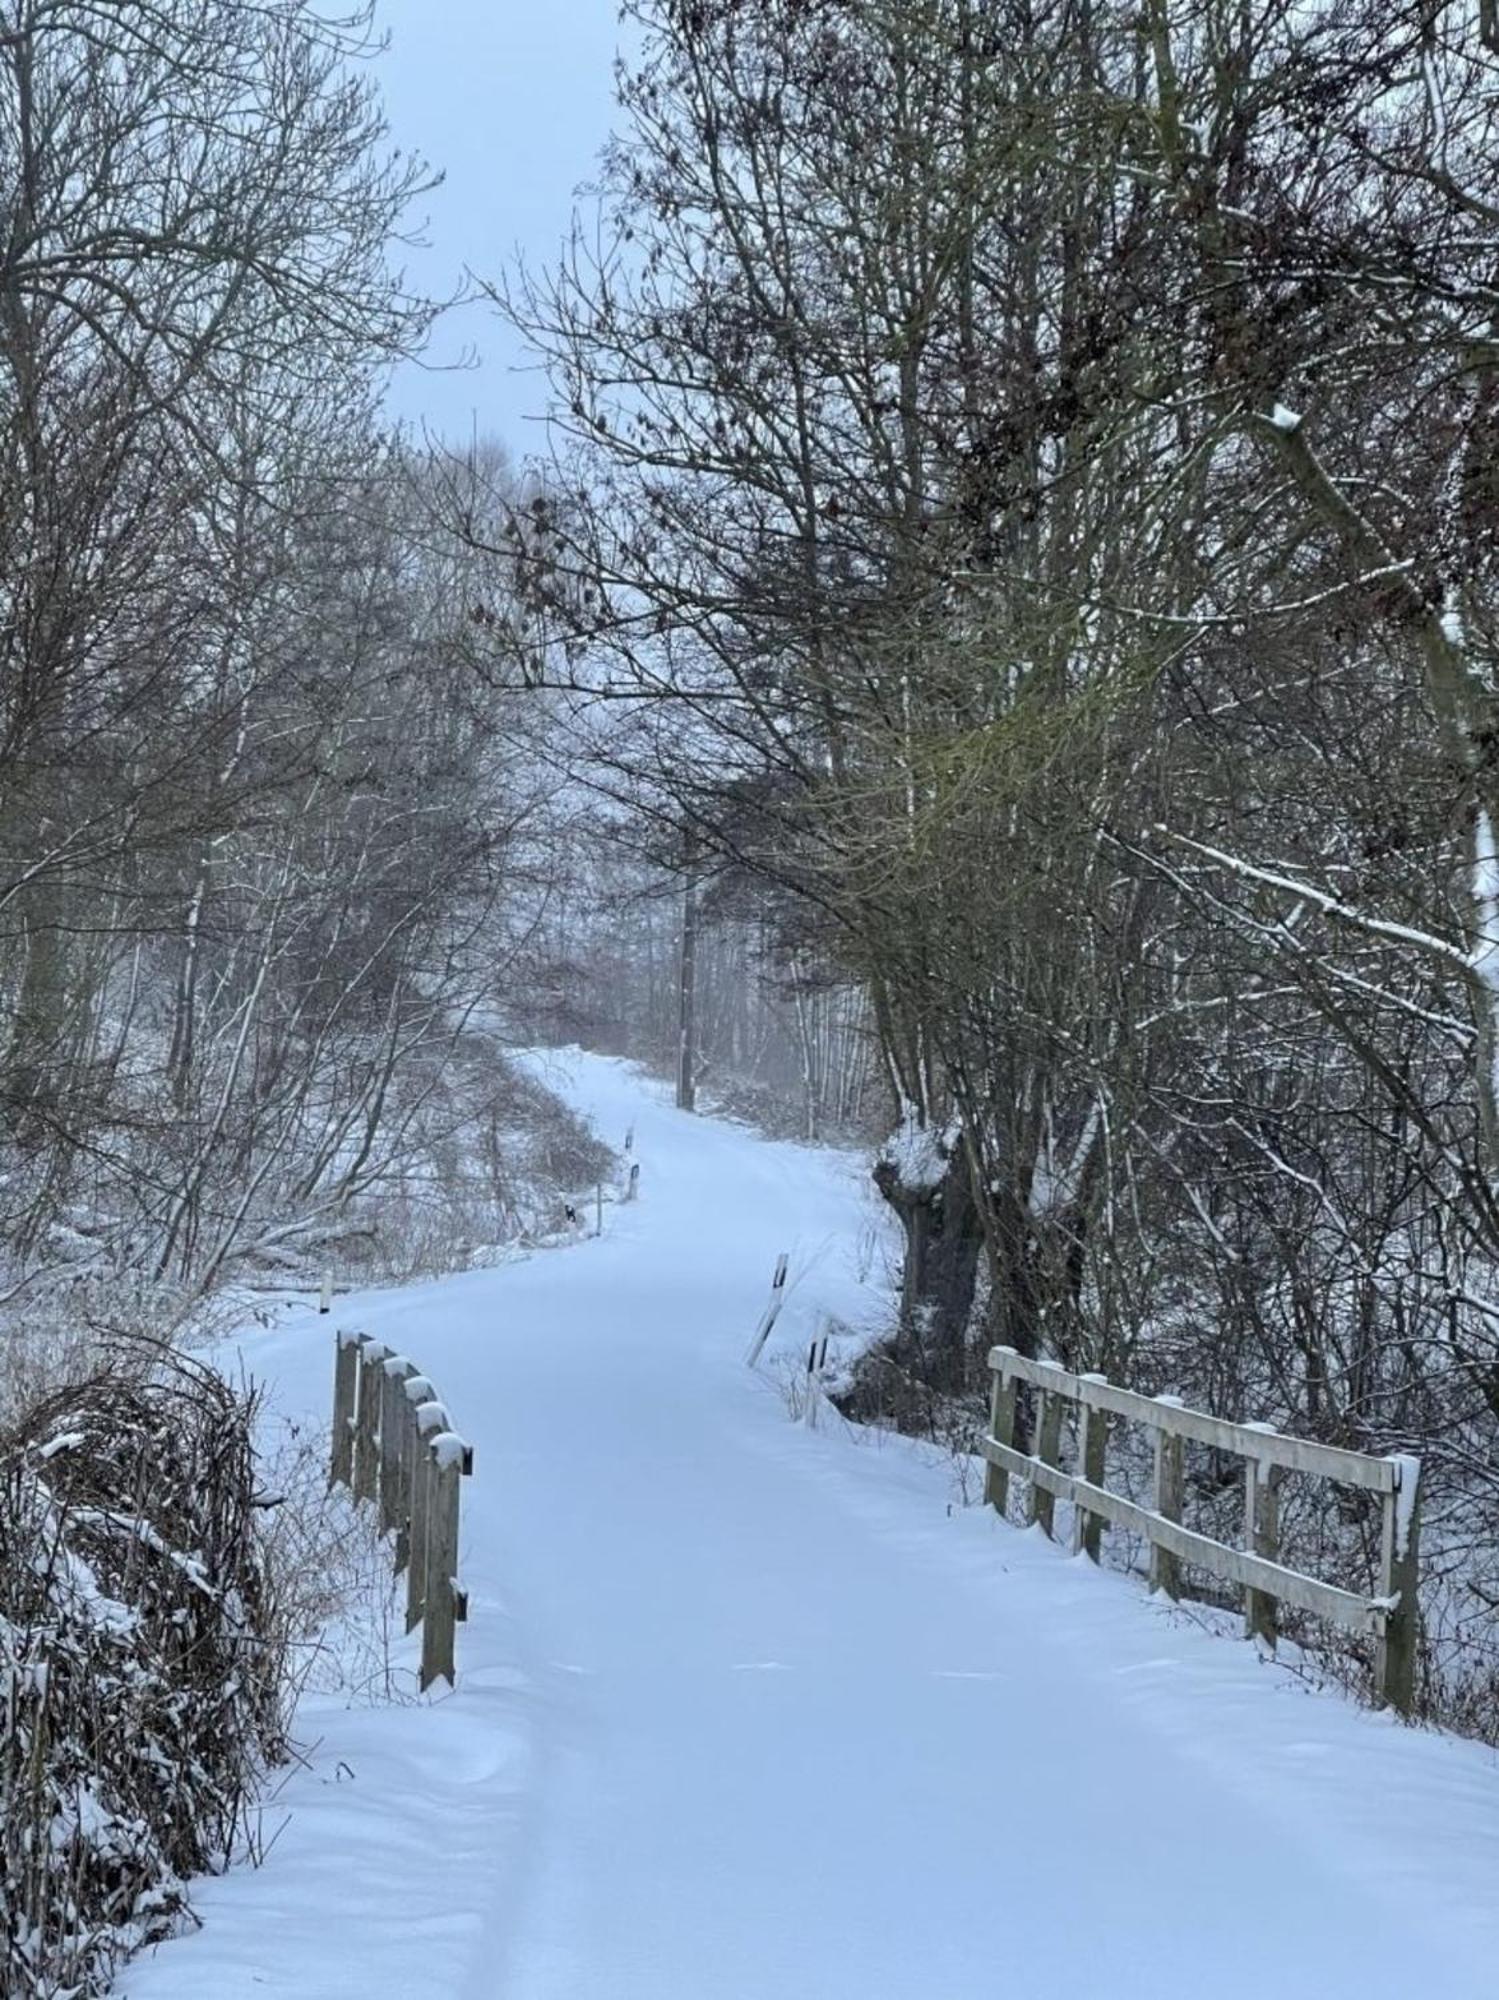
column 325, row 1293
column 421, row 1514
column 430, row 1420
column 367, row 1420
column 345, row 1401
column 1092, row 1442
column 1165, row 1569
column 1043, row 1505
column 415, row 1390
column 394, row 1410
column 1261, row 1538
column 1400, row 1534
column 1002, row 1430
column 448, row 1457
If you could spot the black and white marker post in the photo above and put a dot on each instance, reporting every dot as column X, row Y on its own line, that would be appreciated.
column 772, row 1311
column 817, row 1361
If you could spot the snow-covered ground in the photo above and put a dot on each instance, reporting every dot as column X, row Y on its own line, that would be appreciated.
column 752, row 1712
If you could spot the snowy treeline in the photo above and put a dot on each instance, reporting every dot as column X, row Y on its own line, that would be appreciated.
column 1031, row 503
column 270, row 829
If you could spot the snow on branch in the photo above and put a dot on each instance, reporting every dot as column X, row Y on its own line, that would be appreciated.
column 1443, row 949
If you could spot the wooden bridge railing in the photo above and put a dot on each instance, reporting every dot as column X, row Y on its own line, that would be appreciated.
column 394, row 1446
column 1391, row 1614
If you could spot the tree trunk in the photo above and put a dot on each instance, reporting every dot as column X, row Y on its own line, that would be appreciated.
column 940, row 1270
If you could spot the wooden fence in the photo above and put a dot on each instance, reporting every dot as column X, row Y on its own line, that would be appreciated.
column 1390, row 1615
column 394, row 1447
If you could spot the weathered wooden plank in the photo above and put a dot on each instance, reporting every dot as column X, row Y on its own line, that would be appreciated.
column 418, row 1391
column 1325, row 1461
column 367, row 1419
column 1324, row 1600
column 1262, row 1537
column 430, row 1420
column 1041, row 1500
column 1092, row 1444
column 1001, row 1426
column 1399, row 1570
column 395, row 1417
column 421, row 1514
column 345, row 1402
column 1165, row 1568
column 439, row 1617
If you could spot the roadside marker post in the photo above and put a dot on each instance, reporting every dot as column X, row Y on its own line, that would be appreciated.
column 772, row 1311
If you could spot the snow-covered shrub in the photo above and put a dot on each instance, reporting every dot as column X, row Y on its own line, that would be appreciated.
column 142, row 1661
column 331, row 1593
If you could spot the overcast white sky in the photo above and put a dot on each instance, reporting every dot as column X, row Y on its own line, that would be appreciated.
column 512, row 99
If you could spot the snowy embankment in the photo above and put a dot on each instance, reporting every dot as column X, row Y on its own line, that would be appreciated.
column 751, row 1712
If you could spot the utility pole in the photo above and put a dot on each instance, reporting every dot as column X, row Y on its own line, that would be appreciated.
column 687, row 1004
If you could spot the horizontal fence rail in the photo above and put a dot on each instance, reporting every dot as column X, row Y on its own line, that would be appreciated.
column 1390, row 1615
column 394, row 1447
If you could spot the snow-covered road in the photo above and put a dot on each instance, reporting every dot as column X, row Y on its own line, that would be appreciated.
column 748, row 1712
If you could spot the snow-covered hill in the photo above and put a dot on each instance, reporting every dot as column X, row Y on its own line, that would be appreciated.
column 753, row 1712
